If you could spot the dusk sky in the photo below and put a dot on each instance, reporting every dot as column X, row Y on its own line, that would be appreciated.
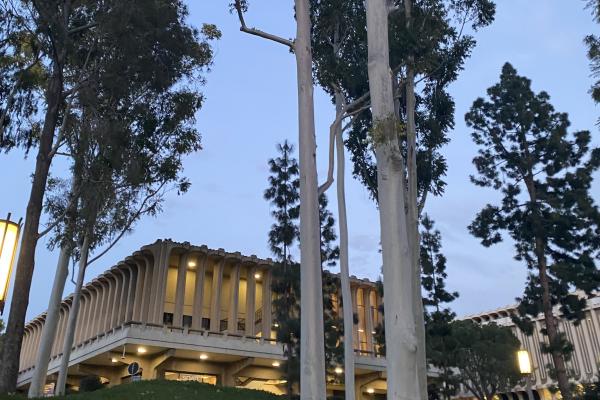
column 251, row 105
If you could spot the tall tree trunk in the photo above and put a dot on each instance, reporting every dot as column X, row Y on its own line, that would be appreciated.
column 551, row 323
column 13, row 337
column 72, row 322
column 62, row 271
column 49, row 331
column 398, row 275
column 413, row 211
column 349, row 383
column 312, row 342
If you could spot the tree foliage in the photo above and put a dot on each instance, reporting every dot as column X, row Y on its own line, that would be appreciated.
column 484, row 357
column 544, row 175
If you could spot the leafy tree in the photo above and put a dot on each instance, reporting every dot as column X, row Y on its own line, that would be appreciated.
column 484, row 357
column 593, row 44
column 330, row 253
column 589, row 390
column 67, row 37
column 544, row 174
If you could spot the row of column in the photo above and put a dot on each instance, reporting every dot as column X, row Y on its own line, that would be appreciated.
column 365, row 302
column 215, row 308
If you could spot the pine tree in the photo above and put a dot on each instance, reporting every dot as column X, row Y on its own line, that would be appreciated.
column 437, row 316
column 544, row 174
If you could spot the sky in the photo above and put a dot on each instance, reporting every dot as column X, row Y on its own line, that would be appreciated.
column 251, row 105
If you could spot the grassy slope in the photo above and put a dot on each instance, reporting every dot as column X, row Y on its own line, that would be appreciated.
column 168, row 390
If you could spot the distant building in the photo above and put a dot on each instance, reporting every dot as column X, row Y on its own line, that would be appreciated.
column 185, row 312
column 585, row 338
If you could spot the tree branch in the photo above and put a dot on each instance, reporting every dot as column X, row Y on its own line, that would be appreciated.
column 257, row 32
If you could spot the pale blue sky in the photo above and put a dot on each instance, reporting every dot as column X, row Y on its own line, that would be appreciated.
column 251, row 105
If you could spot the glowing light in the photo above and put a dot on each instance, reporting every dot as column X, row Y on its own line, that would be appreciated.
column 361, row 330
column 203, row 356
column 276, row 325
column 339, row 370
column 191, row 263
column 524, row 361
column 257, row 275
column 9, row 240
column 276, row 364
column 142, row 350
column 370, row 390
column 114, row 360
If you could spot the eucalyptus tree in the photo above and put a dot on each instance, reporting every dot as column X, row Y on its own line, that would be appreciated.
column 544, row 174
column 312, row 357
column 427, row 41
column 140, row 101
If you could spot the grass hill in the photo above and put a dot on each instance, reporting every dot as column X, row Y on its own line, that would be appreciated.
column 167, row 390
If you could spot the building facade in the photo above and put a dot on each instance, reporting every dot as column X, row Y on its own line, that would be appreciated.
column 585, row 360
column 187, row 312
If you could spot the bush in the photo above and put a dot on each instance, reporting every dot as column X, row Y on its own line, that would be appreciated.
column 90, row 383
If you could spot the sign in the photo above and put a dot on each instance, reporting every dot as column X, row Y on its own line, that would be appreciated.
column 133, row 368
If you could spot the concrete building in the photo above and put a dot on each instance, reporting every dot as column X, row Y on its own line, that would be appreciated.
column 187, row 312
column 585, row 338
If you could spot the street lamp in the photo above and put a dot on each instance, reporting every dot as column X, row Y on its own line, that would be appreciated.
column 526, row 369
column 9, row 239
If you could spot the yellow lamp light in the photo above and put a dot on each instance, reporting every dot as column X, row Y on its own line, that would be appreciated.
column 9, row 240
column 524, row 362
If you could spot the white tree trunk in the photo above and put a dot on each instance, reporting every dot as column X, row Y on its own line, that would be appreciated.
column 312, row 343
column 49, row 331
column 72, row 322
column 344, row 262
column 398, row 276
column 413, row 212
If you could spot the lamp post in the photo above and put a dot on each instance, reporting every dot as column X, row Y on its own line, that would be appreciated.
column 527, row 370
column 9, row 240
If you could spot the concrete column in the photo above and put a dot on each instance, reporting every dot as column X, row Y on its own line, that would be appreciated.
column 250, row 301
column 118, row 303
column 81, row 319
column 267, row 309
column 140, row 267
column 147, row 290
column 197, row 312
column 157, row 277
column 354, row 296
column 180, row 289
column 124, row 293
column 107, row 307
column 131, row 292
column 162, row 283
column 369, row 325
column 234, row 285
column 112, row 321
column 215, row 301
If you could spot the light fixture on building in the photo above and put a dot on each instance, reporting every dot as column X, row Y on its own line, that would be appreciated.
column 276, row 364
column 9, row 240
column 276, row 325
column 361, row 330
column 374, row 332
column 142, row 350
column 257, row 275
column 191, row 263
column 338, row 370
column 203, row 356
column 524, row 362
column 370, row 390
column 113, row 360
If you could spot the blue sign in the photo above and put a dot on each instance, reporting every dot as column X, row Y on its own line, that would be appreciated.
column 133, row 368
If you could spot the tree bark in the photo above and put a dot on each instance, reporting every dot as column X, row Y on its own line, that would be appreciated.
column 312, row 343
column 413, row 212
column 398, row 275
column 551, row 323
column 348, row 317
column 49, row 331
column 13, row 337
column 72, row 322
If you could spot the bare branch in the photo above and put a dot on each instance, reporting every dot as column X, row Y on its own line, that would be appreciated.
column 142, row 209
column 257, row 32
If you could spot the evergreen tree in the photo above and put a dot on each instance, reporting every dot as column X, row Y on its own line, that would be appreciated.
column 544, row 174
column 593, row 44
column 437, row 316
column 283, row 194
